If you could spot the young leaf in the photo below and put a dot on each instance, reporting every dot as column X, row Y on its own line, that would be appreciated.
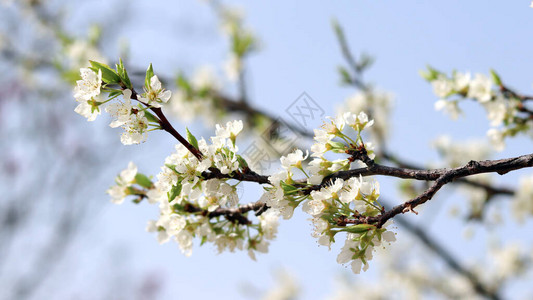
column 495, row 77
column 108, row 75
column 143, row 180
column 183, row 84
column 174, row 192
column 359, row 228
column 287, row 187
column 337, row 146
column 121, row 70
column 151, row 117
column 345, row 75
column 191, row 138
column 429, row 75
column 242, row 162
column 149, row 75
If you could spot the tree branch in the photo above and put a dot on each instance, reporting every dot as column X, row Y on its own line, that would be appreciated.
column 236, row 214
column 166, row 126
column 443, row 176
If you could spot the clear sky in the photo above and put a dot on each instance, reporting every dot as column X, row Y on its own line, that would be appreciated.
column 299, row 53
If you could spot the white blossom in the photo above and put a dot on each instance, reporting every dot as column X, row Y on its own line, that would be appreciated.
column 87, row 110
column 496, row 137
column 522, row 204
column 461, row 81
column 269, row 223
column 497, row 110
column 89, row 86
column 233, row 67
column 450, row 107
column 293, row 159
column 135, row 129
column 120, row 110
column 154, row 94
column 442, row 86
column 119, row 191
column 480, row 88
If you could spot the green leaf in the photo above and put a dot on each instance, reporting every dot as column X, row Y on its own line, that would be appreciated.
column 121, row 70
column 337, row 146
column 359, row 228
column 151, row 117
column 149, row 75
column 346, row 78
column 365, row 61
column 242, row 162
column 143, row 180
column 337, row 28
column 191, row 138
column 495, row 77
column 431, row 73
column 108, row 75
column 287, row 187
column 183, row 84
column 174, row 192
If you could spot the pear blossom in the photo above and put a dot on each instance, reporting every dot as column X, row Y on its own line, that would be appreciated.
column 351, row 190
column 496, row 137
column 154, row 94
column 135, row 129
column 314, row 207
column 269, row 221
column 119, row 191
column 335, row 125
column 362, row 122
column 480, row 88
column 317, row 168
column 497, row 110
column 230, row 131
column 293, row 159
column 162, row 235
column 346, row 253
column 320, row 228
column 233, row 67
column 316, row 204
column 88, row 109
column 322, row 138
column 522, row 204
column 442, row 86
column 261, row 246
column 184, row 239
column 461, row 81
column 121, row 111
column 449, row 107
column 89, row 86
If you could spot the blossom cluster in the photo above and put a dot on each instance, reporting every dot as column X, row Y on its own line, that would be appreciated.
column 134, row 119
column 186, row 198
column 502, row 107
column 332, row 204
column 196, row 189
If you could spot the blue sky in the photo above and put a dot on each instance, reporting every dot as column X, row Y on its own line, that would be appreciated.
column 299, row 53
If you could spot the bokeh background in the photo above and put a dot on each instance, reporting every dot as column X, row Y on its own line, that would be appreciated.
column 61, row 238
